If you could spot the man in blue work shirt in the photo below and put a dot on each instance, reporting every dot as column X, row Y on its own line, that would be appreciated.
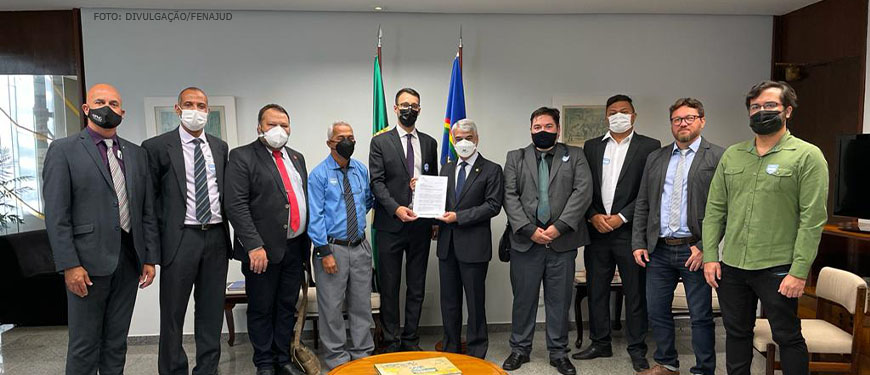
column 339, row 198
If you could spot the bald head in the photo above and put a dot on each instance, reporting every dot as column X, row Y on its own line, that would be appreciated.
column 102, row 95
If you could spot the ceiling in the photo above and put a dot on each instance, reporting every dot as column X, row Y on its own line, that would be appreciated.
column 742, row 7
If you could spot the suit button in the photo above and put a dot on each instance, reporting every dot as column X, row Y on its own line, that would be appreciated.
column 285, row 226
column 287, row 206
column 180, row 226
column 117, row 228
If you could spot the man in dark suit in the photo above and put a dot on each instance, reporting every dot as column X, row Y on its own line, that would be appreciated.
column 266, row 202
column 475, row 190
column 187, row 169
column 617, row 161
column 666, row 236
column 548, row 189
column 103, row 232
column 396, row 157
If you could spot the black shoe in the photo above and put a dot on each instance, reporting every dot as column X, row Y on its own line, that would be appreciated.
column 514, row 361
column 564, row 366
column 265, row 371
column 411, row 348
column 593, row 352
column 392, row 348
column 639, row 364
column 289, row 369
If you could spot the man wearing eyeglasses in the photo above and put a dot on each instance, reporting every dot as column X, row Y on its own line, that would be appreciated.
column 667, row 237
column 767, row 199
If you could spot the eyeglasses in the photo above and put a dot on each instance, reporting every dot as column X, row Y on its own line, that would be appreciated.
column 690, row 119
column 768, row 106
column 404, row 106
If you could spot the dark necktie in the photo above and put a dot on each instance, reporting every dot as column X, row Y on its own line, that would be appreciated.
column 350, row 207
column 203, row 202
column 409, row 156
column 460, row 181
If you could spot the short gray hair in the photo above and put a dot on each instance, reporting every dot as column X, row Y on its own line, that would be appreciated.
column 331, row 128
column 465, row 125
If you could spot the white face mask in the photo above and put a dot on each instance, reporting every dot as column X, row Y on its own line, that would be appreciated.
column 619, row 122
column 193, row 120
column 465, row 148
column 275, row 137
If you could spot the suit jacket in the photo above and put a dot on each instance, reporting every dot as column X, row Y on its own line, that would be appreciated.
column 256, row 202
column 647, row 212
column 479, row 201
column 627, row 184
column 168, row 174
column 81, row 206
column 390, row 179
column 570, row 195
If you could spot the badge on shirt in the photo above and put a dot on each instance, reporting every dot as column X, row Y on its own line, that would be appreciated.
column 566, row 157
column 606, row 161
column 333, row 181
column 426, row 167
column 772, row 168
column 211, row 167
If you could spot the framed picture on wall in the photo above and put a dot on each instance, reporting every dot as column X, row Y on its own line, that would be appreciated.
column 160, row 117
column 582, row 119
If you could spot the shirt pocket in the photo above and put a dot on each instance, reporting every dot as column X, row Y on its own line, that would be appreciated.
column 778, row 180
column 734, row 177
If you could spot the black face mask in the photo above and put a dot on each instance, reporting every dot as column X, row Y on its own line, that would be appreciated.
column 345, row 148
column 766, row 122
column 408, row 117
column 544, row 139
column 105, row 117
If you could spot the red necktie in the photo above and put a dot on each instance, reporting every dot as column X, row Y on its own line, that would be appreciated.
column 291, row 195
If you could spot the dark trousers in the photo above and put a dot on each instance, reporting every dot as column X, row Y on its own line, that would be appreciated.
column 739, row 293
column 99, row 322
column 272, row 297
column 556, row 271
column 601, row 258
column 201, row 261
column 667, row 265
column 413, row 244
column 455, row 277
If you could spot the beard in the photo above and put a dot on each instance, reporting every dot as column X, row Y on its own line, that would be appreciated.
column 686, row 136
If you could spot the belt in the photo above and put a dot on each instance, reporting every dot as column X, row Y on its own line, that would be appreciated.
column 676, row 241
column 353, row 243
column 203, row 227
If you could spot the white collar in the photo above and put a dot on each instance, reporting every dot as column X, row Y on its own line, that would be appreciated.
column 471, row 160
column 187, row 137
column 624, row 140
column 403, row 132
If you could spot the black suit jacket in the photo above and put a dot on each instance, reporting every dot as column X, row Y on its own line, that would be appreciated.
column 168, row 174
column 627, row 184
column 479, row 201
column 81, row 207
column 256, row 202
column 391, row 183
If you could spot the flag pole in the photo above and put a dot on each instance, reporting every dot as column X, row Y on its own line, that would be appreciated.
column 380, row 36
column 460, row 47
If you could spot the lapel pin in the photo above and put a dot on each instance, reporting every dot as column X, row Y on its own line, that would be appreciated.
column 566, row 157
column 426, row 167
column 477, row 169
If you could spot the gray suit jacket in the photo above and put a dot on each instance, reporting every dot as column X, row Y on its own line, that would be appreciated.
column 168, row 174
column 570, row 195
column 647, row 212
column 81, row 207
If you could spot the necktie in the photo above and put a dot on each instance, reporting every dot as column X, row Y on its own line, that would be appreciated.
column 409, row 156
column 291, row 195
column 543, row 190
column 460, row 181
column 676, row 203
column 203, row 202
column 120, row 184
column 350, row 209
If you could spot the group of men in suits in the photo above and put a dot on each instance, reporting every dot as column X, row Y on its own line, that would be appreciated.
column 115, row 210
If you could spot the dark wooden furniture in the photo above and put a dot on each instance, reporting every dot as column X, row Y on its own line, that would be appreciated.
column 581, row 291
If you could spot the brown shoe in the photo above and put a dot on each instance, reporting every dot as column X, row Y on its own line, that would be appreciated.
column 658, row 370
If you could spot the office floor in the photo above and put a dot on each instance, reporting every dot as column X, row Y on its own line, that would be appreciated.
column 43, row 350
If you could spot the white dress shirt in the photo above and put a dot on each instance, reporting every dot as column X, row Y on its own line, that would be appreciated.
column 187, row 148
column 415, row 141
column 296, row 181
column 614, row 158
column 471, row 160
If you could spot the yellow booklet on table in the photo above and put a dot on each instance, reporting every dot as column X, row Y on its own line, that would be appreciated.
column 429, row 366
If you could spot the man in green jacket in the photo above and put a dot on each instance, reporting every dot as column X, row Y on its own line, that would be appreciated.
column 767, row 199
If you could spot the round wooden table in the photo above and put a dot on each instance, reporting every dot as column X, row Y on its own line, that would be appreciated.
column 467, row 364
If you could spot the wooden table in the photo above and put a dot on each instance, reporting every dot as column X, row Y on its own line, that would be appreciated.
column 467, row 364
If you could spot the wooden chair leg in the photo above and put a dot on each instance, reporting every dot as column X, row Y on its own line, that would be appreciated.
column 316, row 334
column 617, row 319
column 771, row 359
column 231, row 324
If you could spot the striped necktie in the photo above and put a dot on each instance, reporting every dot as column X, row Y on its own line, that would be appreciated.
column 120, row 184
column 676, row 203
column 203, row 201
column 350, row 207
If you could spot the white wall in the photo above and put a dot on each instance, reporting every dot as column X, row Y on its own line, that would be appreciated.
column 319, row 66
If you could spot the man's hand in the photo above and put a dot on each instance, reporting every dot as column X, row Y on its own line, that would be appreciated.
column 448, row 217
column 329, row 264
column 552, row 233
column 147, row 276
column 713, row 272
column 413, row 183
column 599, row 221
column 792, row 287
column 405, row 214
column 696, row 260
column 434, row 232
column 614, row 221
column 641, row 257
column 258, row 260
column 77, row 280
column 540, row 238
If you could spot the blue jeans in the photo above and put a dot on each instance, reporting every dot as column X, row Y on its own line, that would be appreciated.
column 667, row 265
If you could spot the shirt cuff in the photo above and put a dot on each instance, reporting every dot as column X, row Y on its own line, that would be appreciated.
column 322, row 251
column 562, row 226
column 624, row 220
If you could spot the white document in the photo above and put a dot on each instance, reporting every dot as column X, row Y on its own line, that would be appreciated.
column 430, row 196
